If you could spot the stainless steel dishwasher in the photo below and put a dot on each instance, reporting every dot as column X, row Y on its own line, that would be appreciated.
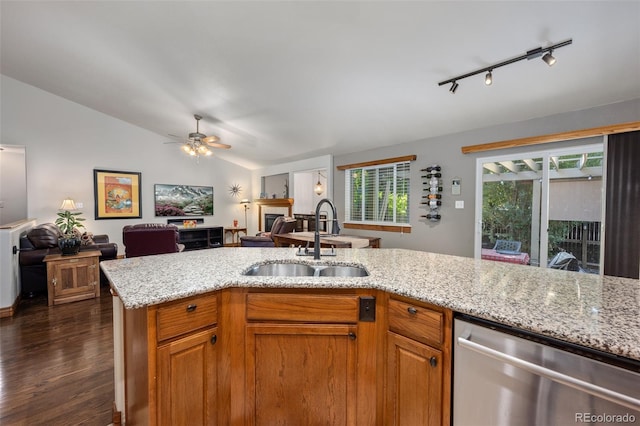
column 504, row 376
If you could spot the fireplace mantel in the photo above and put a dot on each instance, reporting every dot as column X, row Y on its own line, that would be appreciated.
column 272, row 202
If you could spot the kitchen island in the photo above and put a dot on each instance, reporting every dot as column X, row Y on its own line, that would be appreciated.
column 600, row 313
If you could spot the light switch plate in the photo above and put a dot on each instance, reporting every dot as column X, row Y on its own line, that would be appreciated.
column 460, row 204
column 455, row 187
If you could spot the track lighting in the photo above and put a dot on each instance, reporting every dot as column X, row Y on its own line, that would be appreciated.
column 545, row 52
column 548, row 58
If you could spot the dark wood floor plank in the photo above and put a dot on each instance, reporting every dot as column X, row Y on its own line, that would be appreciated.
column 56, row 363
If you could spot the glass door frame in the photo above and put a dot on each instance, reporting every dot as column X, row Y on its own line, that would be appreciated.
column 544, row 201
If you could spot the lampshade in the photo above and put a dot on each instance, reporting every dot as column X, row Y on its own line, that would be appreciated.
column 245, row 201
column 68, row 204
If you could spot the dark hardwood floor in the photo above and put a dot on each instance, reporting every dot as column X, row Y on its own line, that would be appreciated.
column 56, row 363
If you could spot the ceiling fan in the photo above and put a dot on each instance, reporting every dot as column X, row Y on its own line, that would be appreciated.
column 198, row 143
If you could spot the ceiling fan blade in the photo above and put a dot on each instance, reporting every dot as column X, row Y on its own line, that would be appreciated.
column 209, row 139
column 218, row 145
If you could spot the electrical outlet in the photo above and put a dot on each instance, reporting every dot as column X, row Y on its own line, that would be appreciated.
column 367, row 309
column 459, row 204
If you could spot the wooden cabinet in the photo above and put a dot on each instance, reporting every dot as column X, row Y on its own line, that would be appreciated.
column 253, row 356
column 187, row 380
column 71, row 278
column 305, row 359
column 418, row 364
column 170, row 356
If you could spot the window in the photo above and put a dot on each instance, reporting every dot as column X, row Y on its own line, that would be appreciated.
column 378, row 194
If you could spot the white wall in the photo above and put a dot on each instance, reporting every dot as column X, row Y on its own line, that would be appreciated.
column 65, row 142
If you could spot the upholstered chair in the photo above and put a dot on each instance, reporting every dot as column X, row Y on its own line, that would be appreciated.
column 281, row 225
column 145, row 239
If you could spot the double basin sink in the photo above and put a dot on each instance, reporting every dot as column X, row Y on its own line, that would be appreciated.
column 304, row 270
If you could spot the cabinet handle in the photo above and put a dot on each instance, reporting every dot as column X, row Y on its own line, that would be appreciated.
column 412, row 310
column 352, row 335
column 433, row 361
column 54, row 281
column 214, row 339
column 191, row 308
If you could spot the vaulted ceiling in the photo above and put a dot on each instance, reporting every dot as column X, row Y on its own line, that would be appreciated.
column 281, row 81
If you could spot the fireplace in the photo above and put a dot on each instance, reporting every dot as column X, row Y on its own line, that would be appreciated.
column 269, row 218
column 273, row 204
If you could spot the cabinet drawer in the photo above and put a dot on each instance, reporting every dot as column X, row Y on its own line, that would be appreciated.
column 298, row 307
column 416, row 322
column 183, row 316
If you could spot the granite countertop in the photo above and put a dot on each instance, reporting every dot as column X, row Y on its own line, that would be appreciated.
column 598, row 312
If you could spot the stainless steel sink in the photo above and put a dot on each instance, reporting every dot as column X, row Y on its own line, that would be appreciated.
column 282, row 270
column 342, row 271
column 304, row 270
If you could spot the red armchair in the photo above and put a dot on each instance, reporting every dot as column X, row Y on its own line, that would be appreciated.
column 145, row 239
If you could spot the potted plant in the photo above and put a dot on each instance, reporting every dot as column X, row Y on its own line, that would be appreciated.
column 70, row 242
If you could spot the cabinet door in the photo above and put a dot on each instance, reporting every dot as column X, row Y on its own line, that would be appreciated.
column 301, row 374
column 75, row 279
column 187, row 380
column 414, row 383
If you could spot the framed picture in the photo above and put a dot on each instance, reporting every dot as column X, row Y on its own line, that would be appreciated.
column 183, row 200
column 117, row 194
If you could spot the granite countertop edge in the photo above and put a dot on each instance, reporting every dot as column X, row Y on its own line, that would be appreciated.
column 597, row 312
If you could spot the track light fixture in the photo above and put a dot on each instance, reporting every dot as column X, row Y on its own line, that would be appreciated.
column 548, row 58
column 488, row 79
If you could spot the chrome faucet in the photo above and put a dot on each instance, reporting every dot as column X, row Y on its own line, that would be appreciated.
column 335, row 228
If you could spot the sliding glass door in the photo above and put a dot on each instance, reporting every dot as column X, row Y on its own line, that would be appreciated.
column 541, row 208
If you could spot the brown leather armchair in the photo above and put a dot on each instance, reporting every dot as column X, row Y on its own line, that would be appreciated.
column 145, row 239
column 281, row 225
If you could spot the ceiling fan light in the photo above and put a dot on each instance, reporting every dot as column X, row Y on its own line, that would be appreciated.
column 186, row 148
column 208, row 153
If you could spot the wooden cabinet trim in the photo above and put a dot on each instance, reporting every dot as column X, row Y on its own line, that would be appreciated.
column 318, row 308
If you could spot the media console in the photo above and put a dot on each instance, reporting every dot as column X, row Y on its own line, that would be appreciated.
column 201, row 237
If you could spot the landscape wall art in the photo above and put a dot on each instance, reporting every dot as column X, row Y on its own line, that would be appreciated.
column 183, row 200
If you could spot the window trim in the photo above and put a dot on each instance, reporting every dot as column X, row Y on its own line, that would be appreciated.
column 373, row 226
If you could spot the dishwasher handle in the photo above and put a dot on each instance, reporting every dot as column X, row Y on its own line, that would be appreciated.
column 556, row 376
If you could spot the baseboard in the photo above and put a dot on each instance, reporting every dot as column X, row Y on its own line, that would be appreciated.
column 10, row 311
